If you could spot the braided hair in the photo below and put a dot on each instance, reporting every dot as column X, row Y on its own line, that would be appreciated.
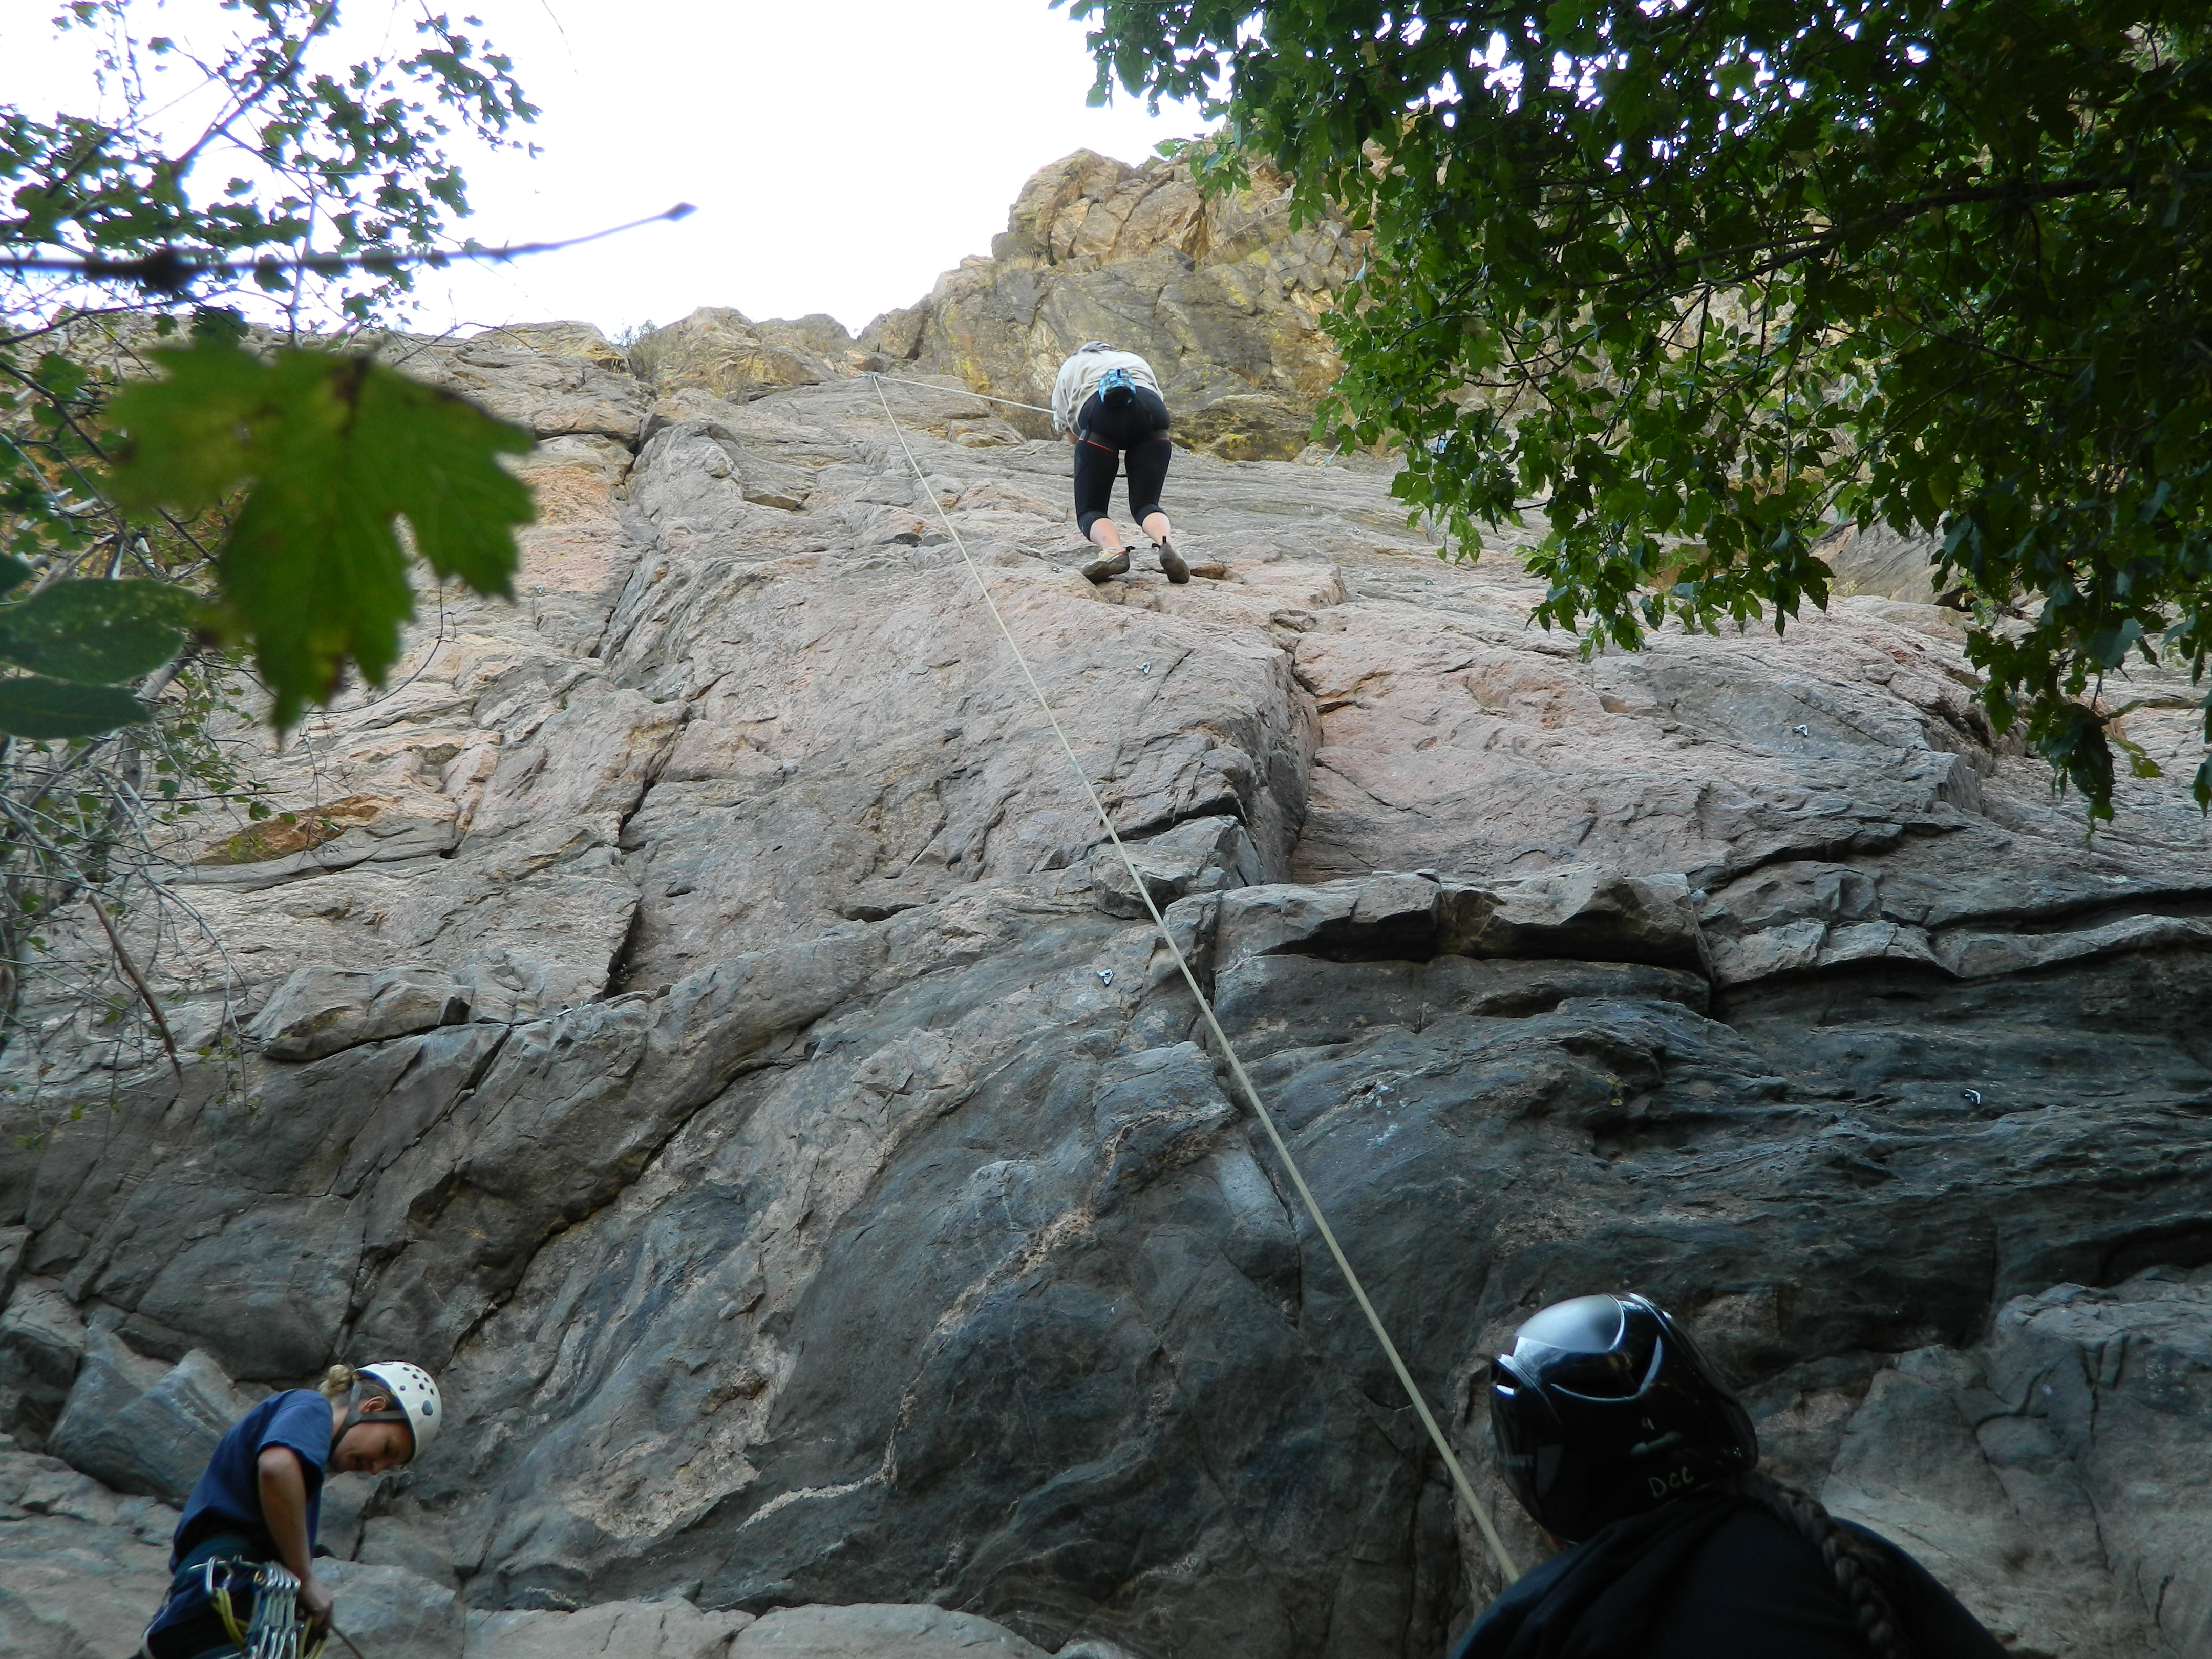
column 1856, row 1579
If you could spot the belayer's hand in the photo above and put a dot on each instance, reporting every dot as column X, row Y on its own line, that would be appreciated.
column 315, row 1604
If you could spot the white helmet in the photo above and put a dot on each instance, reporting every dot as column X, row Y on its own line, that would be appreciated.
column 414, row 1395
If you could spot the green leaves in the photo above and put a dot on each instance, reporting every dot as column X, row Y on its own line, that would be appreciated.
column 1700, row 284
column 96, row 633
column 34, row 707
column 78, row 638
column 335, row 187
column 334, row 451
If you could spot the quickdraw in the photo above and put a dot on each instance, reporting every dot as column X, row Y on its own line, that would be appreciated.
column 275, row 1630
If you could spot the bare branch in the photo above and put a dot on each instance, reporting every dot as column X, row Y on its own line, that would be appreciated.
column 138, row 982
column 172, row 271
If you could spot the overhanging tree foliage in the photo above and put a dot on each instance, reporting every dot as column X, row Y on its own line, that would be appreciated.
column 162, row 476
column 318, row 178
column 1702, row 279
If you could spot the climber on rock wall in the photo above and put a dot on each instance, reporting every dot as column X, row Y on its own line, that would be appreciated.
column 1623, row 1444
column 259, row 1500
column 1108, row 404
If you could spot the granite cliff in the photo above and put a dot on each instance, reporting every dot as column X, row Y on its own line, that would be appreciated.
column 1223, row 295
column 690, row 1010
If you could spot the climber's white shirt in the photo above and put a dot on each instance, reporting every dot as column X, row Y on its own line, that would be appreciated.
column 1080, row 374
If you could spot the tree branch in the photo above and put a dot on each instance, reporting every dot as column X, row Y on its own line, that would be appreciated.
column 172, row 271
column 138, row 982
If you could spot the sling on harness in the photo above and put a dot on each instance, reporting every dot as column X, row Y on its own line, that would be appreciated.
column 1115, row 389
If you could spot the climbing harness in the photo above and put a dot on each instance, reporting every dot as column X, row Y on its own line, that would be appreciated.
column 1115, row 389
column 1459, row 1481
column 274, row 1630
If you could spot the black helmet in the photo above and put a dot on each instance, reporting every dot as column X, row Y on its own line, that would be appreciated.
column 1605, row 1407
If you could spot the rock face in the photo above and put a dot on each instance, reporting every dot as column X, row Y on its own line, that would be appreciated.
column 710, row 1035
column 82, row 1569
column 723, row 352
column 1222, row 295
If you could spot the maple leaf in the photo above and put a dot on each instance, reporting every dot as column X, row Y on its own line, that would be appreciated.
column 334, row 451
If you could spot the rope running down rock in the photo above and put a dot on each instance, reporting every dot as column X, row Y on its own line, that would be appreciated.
column 1459, row 1481
column 957, row 391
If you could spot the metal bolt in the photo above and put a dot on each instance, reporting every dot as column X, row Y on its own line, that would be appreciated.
column 1105, row 975
column 1971, row 1096
column 1144, row 668
column 1802, row 730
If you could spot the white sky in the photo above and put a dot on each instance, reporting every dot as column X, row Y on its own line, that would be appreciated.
column 841, row 153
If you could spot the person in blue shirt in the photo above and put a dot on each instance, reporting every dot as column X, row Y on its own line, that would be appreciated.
column 1625, row 1447
column 260, row 1498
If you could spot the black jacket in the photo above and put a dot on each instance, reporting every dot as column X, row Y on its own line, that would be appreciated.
column 1711, row 1577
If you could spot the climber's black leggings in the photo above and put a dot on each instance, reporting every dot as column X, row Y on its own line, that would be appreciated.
column 1102, row 435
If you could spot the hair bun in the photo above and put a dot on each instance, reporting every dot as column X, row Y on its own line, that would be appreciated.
column 337, row 1382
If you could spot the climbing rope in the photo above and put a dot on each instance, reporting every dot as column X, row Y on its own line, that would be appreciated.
column 1459, row 1481
column 956, row 391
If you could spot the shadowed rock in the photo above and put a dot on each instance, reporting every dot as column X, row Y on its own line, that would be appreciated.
column 141, row 1426
column 321, row 1009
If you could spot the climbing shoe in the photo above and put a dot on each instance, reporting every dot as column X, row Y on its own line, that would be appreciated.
column 1171, row 561
column 1108, row 564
